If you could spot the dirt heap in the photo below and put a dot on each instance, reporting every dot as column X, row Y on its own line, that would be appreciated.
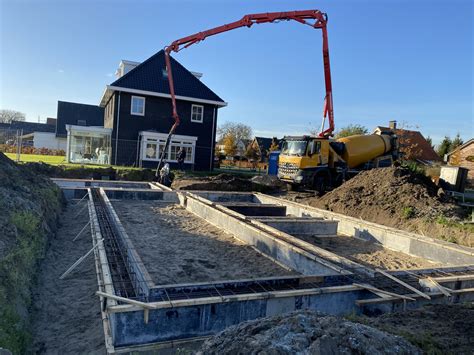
column 305, row 332
column 436, row 328
column 225, row 182
column 29, row 208
column 399, row 198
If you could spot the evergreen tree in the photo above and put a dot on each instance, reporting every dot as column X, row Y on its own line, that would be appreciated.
column 445, row 146
column 456, row 142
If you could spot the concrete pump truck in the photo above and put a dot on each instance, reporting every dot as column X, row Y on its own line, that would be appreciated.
column 316, row 161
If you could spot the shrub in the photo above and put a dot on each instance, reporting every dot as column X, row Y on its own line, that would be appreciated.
column 408, row 212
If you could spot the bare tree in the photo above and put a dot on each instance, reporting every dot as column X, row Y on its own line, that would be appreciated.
column 238, row 131
column 7, row 116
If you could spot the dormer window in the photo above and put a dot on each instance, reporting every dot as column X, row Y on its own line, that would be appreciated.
column 138, row 106
column 197, row 113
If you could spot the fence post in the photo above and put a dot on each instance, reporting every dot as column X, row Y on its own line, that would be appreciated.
column 17, row 141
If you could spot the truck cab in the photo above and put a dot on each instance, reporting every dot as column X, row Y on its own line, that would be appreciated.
column 302, row 158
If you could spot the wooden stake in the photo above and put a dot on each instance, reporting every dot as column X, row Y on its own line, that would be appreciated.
column 82, row 209
column 82, row 230
column 411, row 288
column 81, row 199
column 79, row 261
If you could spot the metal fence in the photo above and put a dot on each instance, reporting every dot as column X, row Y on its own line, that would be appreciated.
column 11, row 141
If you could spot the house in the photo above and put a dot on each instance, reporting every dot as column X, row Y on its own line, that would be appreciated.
column 240, row 148
column 81, row 128
column 37, row 135
column 413, row 145
column 463, row 156
column 131, row 123
column 137, row 110
column 263, row 145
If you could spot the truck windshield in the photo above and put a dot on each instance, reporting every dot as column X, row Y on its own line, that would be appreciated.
column 294, row 147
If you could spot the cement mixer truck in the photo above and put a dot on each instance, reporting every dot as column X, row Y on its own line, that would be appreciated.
column 322, row 163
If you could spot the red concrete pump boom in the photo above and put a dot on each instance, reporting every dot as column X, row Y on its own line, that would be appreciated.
column 247, row 21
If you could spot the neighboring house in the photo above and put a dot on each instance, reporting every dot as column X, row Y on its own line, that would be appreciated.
column 138, row 111
column 413, row 145
column 241, row 147
column 463, row 156
column 38, row 135
column 262, row 146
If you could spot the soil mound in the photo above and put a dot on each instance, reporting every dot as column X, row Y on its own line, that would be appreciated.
column 29, row 207
column 397, row 197
column 227, row 182
column 396, row 192
column 436, row 328
column 305, row 332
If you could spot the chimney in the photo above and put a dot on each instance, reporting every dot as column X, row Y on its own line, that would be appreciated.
column 197, row 75
column 392, row 125
column 124, row 67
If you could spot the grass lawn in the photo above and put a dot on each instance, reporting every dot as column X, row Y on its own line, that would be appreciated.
column 36, row 158
column 60, row 160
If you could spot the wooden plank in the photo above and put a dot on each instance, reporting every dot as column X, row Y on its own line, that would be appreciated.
column 126, row 300
column 411, row 288
column 441, row 288
column 377, row 291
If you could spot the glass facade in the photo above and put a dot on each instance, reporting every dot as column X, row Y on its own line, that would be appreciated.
column 88, row 145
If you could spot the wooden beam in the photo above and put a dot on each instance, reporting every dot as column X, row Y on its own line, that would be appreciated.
column 377, row 291
column 146, row 306
column 411, row 288
column 442, row 289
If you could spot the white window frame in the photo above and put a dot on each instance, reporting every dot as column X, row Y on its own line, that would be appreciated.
column 131, row 106
column 160, row 139
column 202, row 113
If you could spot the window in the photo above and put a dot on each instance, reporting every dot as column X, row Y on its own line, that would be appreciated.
column 138, row 106
column 81, row 123
column 88, row 145
column 197, row 113
column 150, row 150
column 154, row 143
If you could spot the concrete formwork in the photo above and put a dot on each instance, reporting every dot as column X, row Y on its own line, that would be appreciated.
column 332, row 284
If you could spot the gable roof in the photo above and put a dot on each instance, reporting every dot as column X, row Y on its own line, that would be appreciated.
column 29, row 127
column 149, row 78
column 71, row 112
column 420, row 148
column 462, row 146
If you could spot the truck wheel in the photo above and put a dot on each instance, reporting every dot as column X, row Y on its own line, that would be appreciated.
column 292, row 187
column 321, row 183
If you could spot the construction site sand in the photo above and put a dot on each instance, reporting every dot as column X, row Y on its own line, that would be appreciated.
column 66, row 313
column 178, row 247
column 369, row 253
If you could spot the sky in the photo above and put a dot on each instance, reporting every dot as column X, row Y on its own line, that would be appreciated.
column 404, row 60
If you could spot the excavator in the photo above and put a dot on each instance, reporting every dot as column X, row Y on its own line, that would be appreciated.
column 318, row 161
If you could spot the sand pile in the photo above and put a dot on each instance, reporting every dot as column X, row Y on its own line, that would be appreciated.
column 305, row 332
